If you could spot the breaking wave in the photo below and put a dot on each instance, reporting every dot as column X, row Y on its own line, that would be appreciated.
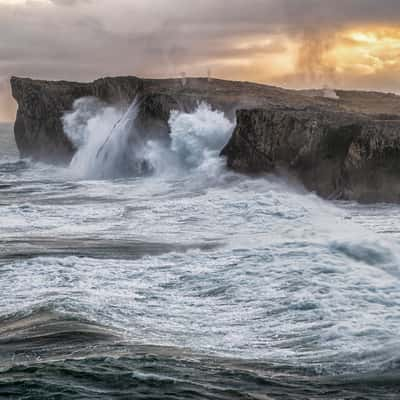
column 111, row 145
column 166, row 286
column 102, row 135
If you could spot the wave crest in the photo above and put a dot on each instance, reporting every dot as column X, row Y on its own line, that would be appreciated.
column 111, row 145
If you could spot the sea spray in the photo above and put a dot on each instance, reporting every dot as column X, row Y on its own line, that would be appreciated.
column 121, row 154
column 199, row 136
column 88, row 125
column 110, row 145
column 294, row 283
column 108, row 140
column 196, row 141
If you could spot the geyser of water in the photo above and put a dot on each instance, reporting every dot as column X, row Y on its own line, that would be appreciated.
column 111, row 146
column 196, row 141
column 88, row 125
column 108, row 142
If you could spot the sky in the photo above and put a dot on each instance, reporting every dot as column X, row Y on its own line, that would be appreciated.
column 352, row 44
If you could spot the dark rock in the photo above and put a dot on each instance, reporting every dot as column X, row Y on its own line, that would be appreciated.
column 347, row 148
column 41, row 104
column 336, row 154
column 38, row 127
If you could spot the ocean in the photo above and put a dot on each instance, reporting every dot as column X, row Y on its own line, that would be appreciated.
column 186, row 280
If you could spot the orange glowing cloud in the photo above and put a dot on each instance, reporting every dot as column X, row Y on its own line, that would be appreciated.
column 350, row 55
column 365, row 57
column 297, row 44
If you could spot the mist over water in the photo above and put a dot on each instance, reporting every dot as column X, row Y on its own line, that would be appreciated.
column 110, row 144
column 147, row 269
column 89, row 126
column 8, row 149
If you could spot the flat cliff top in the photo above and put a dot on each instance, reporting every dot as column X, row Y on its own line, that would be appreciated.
column 367, row 102
column 227, row 94
column 342, row 144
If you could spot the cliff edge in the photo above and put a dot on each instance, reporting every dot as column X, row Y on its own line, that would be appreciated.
column 343, row 148
column 41, row 104
column 338, row 155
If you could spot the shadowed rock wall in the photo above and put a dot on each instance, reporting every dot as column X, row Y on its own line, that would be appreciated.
column 336, row 154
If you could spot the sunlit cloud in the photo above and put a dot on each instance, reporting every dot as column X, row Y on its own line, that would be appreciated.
column 296, row 44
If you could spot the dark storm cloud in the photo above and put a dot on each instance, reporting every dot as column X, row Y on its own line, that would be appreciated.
column 84, row 39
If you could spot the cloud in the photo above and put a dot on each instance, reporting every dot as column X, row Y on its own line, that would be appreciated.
column 69, row 2
column 276, row 41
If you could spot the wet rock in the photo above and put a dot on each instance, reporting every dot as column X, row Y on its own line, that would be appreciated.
column 344, row 148
column 336, row 154
column 41, row 104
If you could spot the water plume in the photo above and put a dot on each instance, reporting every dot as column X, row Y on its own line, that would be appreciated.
column 87, row 126
column 316, row 62
column 196, row 141
column 111, row 144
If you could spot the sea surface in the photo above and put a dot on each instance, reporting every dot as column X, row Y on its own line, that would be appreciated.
column 188, row 281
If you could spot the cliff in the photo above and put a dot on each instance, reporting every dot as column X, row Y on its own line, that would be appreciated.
column 339, row 155
column 41, row 104
column 344, row 148
column 38, row 127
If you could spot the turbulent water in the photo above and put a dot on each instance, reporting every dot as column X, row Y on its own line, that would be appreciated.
column 188, row 281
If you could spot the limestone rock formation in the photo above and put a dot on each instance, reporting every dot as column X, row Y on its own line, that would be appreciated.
column 41, row 104
column 336, row 154
column 344, row 148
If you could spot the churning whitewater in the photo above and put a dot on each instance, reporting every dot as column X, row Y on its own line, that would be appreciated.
column 110, row 144
column 145, row 269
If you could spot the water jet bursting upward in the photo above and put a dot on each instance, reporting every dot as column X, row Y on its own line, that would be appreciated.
column 107, row 139
column 111, row 145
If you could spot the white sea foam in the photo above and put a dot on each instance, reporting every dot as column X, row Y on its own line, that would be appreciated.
column 294, row 279
column 88, row 126
column 110, row 145
column 199, row 136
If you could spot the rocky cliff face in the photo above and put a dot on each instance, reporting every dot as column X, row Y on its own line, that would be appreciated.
column 335, row 147
column 336, row 154
column 41, row 104
column 38, row 127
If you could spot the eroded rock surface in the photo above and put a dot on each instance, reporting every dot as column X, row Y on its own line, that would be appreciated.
column 344, row 148
column 336, row 154
column 41, row 104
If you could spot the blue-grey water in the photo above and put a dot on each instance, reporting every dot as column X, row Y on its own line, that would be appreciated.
column 192, row 282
